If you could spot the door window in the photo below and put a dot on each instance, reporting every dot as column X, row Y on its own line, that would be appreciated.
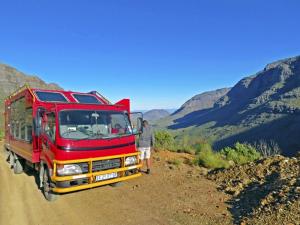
column 50, row 126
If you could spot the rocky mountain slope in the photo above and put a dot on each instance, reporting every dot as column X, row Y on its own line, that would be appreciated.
column 11, row 79
column 203, row 101
column 263, row 192
column 263, row 106
column 155, row 114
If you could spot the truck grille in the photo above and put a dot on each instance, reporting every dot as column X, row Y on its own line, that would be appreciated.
column 101, row 165
column 106, row 164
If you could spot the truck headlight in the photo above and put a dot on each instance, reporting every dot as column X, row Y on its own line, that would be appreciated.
column 131, row 160
column 68, row 170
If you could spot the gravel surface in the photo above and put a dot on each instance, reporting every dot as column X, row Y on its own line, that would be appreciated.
column 264, row 192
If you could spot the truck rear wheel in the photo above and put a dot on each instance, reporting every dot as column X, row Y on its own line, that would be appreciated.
column 18, row 166
column 47, row 184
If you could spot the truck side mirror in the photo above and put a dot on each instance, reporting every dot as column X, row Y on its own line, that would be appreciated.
column 139, row 125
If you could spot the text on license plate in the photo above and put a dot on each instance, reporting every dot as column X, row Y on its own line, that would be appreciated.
column 106, row 177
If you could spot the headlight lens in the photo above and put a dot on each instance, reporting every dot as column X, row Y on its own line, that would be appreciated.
column 67, row 170
column 131, row 160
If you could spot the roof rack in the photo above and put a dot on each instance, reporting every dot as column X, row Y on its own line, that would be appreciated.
column 20, row 89
column 100, row 96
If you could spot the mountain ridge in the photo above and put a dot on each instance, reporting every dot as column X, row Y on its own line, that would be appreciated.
column 202, row 101
column 11, row 79
column 155, row 114
column 259, row 106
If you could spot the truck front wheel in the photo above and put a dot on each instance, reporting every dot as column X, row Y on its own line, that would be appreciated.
column 48, row 193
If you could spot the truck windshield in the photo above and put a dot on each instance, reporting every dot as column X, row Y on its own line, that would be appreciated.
column 91, row 124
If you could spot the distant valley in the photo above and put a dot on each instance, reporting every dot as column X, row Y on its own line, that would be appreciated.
column 264, row 106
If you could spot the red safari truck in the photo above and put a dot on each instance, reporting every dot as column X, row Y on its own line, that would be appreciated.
column 73, row 140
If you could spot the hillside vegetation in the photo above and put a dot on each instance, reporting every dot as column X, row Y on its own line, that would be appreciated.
column 205, row 156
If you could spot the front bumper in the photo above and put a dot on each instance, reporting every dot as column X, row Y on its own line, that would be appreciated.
column 65, row 184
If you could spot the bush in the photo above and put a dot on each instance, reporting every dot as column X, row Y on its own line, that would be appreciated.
column 267, row 148
column 241, row 153
column 185, row 149
column 210, row 159
column 202, row 146
column 183, row 145
column 164, row 140
column 175, row 162
column 191, row 146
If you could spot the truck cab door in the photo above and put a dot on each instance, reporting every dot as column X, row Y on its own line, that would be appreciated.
column 48, row 136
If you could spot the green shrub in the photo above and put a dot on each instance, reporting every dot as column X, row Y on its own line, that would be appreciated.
column 183, row 145
column 241, row 153
column 192, row 145
column 175, row 162
column 202, row 146
column 164, row 140
column 212, row 160
column 185, row 149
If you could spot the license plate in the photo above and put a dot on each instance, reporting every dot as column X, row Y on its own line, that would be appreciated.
column 106, row 177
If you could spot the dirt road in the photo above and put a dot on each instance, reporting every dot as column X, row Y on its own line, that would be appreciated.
column 168, row 196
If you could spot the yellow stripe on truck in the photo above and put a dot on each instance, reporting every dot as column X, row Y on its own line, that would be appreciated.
column 92, row 175
column 93, row 185
column 74, row 177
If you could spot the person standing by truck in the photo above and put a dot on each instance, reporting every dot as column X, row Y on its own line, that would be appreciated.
column 146, row 142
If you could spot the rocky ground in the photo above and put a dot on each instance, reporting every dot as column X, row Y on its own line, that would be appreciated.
column 264, row 192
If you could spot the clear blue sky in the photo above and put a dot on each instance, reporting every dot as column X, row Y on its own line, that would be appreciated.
column 159, row 53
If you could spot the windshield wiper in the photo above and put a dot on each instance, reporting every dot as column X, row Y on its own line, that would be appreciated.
column 102, row 136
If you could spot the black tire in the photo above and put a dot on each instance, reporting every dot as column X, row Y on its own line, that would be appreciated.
column 18, row 166
column 11, row 159
column 48, row 193
column 118, row 184
column 6, row 154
